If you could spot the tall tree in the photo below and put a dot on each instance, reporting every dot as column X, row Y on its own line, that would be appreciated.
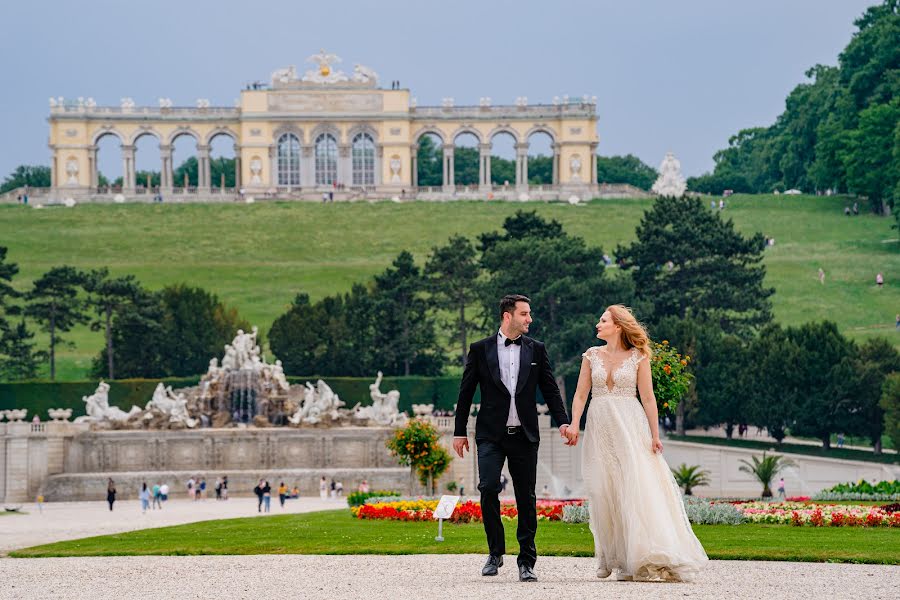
column 18, row 360
column 563, row 277
column 26, row 175
column 8, row 293
column 107, row 297
column 890, row 404
column 138, row 340
column 53, row 302
column 772, row 402
column 828, row 380
column 452, row 272
column 689, row 262
column 405, row 331
column 625, row 169
column 877, row 359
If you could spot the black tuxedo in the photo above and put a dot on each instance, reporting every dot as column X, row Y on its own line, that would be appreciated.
column 497, row 444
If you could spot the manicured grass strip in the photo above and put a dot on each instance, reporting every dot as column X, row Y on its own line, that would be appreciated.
column 337, row 532
column 838, row 453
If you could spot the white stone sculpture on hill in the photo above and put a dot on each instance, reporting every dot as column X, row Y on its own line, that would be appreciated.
column 319, row 403
column 167, row 402
column 670, row 181
column 385, row 408
column 98, row 409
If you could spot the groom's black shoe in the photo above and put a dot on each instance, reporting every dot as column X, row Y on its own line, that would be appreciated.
column 493, row 563
column 526, row 573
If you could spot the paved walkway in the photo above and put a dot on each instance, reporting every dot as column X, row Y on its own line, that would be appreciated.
column 70, row 520
column 416, row 578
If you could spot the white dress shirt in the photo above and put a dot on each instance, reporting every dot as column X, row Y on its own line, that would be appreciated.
column 508, row 357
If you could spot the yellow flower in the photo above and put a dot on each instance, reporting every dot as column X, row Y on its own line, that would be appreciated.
column 665, row 405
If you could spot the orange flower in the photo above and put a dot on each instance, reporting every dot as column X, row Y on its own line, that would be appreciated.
column 665, row 405
column 684, row 363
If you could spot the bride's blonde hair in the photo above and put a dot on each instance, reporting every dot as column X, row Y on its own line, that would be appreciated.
column 633, row 333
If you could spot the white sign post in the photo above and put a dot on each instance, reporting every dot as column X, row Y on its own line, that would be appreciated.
column 444, row 510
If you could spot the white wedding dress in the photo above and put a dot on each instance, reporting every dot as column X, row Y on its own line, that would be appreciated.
column 637, row 516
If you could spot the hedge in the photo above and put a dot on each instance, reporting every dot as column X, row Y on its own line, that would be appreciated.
column 38, row 396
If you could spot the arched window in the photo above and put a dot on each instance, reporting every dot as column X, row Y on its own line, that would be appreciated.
column 363, row 160
column 326, row 159
column 288, row 160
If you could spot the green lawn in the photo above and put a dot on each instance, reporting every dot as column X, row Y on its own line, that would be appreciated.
column 338, row 532
column 257, row 257
column 838, row 453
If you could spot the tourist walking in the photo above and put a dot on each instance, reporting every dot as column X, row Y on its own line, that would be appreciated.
column 339, row 489
column 282, row 493
column 225, row 487
column 364, row 485
column 821, row 276
column 144, row 497
column 879, row 280
column 110, row 493
column 202, row 491
column 218, row 489
column 333, row 488
column 156, row 494
column 258, row 490
column 267, row 495
column 164, row 492
column 323, row 488
column 190, row 488
column 781, row 488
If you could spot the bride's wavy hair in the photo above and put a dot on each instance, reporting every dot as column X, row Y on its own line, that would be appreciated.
column 634, row 334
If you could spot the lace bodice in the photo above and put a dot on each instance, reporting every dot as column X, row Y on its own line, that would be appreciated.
column 623, row 376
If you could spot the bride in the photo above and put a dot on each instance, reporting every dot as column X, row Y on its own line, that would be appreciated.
column 637, row 516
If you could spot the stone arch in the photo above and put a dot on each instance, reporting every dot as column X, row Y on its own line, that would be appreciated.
column 226, row 131
column 554, row 138
column 286, row 128
column 503, row 129
column 466, row 130
column 139, row 133
column 437, row 131
column 325, row 128
column 105, row 131
column 361, row 128
column 180, row 132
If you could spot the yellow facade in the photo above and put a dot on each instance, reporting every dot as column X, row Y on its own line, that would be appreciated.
column 297, row 139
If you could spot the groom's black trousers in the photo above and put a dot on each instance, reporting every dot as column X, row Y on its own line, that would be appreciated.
column 522, row 455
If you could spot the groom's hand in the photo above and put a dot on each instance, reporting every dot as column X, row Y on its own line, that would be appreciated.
column 460, row 444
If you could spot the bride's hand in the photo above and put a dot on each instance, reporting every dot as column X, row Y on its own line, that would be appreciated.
column 571, row 436
column 656, row 446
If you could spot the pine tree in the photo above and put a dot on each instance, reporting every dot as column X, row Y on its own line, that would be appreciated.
column 53, row 302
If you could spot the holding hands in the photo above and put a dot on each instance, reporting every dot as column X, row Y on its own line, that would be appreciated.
column 570, row 433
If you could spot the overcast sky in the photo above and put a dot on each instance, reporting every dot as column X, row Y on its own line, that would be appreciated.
column 669, row 75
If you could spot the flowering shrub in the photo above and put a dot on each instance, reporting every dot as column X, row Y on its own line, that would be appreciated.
column 417, row 445
column 466, row 512
column 359, row 498
column 671, row 378
column 817, row 515
column 861, row 490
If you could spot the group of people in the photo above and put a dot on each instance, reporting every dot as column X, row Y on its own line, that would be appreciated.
column 263, row 492
column 335, row 489
column 852, row 211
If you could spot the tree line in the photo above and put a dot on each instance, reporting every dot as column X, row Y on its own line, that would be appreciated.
column 839, row 131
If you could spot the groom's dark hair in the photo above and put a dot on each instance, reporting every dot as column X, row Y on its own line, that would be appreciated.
column 508, row 303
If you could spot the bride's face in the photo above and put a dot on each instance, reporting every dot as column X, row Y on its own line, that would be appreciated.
column 606, row 328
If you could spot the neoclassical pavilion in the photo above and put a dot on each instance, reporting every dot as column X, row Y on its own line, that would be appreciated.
column 325, row 130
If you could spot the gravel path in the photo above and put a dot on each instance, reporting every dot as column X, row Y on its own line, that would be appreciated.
column 71, row 520
column 416, row 578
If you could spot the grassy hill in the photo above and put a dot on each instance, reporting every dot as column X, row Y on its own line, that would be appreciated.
column 257, row 257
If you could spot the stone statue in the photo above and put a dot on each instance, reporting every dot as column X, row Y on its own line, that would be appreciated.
column 575, row 167
column 165, row 103
column 255, row 170
column 670, row 181
column 229, row 361
column 72, row 171
column 324, row 74
column 363, row 74
column 202, row 102
column 284, row 75
column 278, row 377
column 385, row 407
column 98, row 409
column 167, row 402
column 395, row 170
column 127, row 104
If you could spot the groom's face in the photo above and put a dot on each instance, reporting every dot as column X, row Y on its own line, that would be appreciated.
column 520, row 319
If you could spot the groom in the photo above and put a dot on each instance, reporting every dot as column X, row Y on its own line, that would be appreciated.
column 509, row 367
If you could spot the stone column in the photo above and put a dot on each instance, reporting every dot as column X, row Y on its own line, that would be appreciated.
column 237, row 167
column 344, row 165
column 273, row 167
column 128, row 183
column 484, row 167
column 449, row 179
column 414, row 173
column 522, row 166
column 308, row 165
column 167, row 174
column 53, row 170
column 555, row 178
column 593, row 155
column 92, row 168
column 204, row 186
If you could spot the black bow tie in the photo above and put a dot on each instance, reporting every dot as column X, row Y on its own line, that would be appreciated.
column 517, row 341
